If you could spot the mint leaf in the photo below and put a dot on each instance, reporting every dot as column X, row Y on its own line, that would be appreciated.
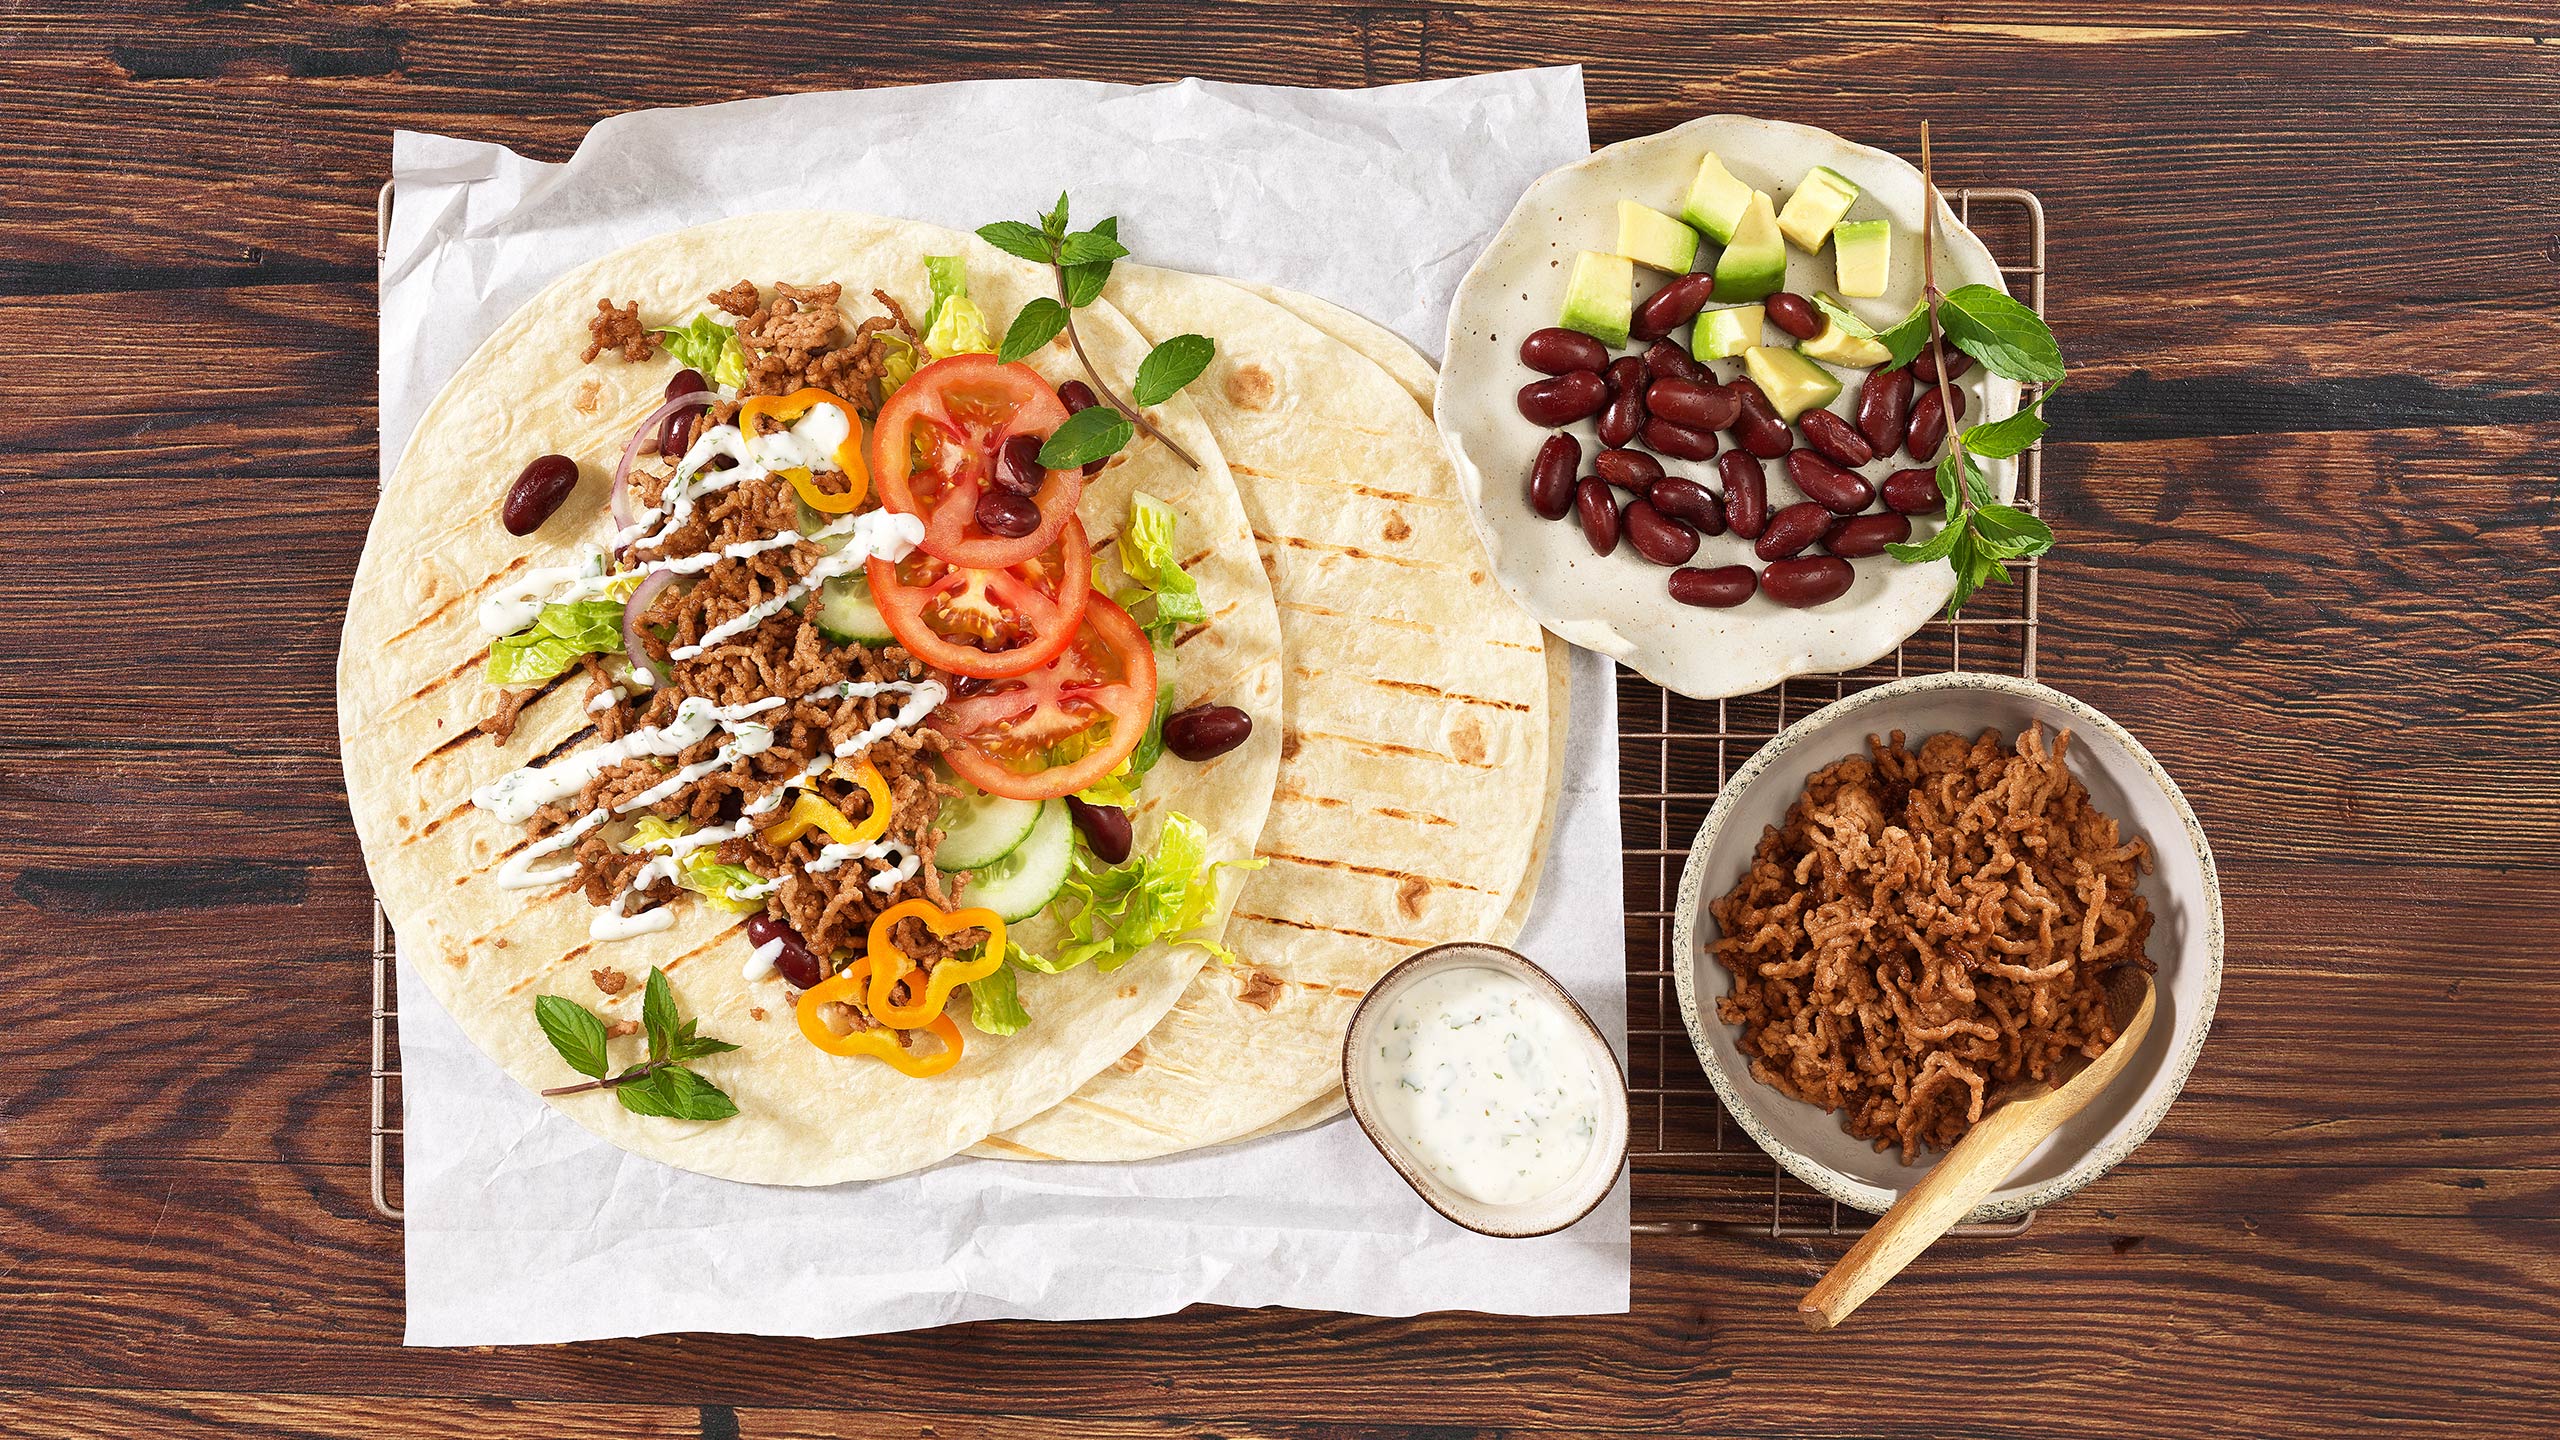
column 2001, row 439
column 1034, row 325
column 1088, row 247
column 1088, row 435
column 1054, row 224
column 1908, row 338
column 1017, row 239
column 2007, row 337
column 1085, row 282
column 1930, row 551
column 676, row 1093
column 1170, row 366
column 658, row 1013
column 574, row 1031
column 2010, row 533
column 690, row 1046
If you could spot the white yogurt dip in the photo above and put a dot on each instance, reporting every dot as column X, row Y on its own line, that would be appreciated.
column 1486, row 1081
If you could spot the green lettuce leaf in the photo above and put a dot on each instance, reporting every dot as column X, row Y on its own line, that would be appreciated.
column 1157, row 896
column 700, row 871
column 995, row 1002
column 705, row 344
column 1147, row 552
column 555, row 640
column 953, row 324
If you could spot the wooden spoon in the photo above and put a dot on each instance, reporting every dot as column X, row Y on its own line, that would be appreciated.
column 1986, row 1156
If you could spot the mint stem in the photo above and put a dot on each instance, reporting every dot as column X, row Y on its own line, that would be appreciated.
column 640, row 1071
column 1929, row 292
column 1100, row 386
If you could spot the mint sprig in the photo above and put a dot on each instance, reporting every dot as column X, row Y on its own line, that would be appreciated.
column 1082, row 261
column 1981, row 535
column 659, row 1085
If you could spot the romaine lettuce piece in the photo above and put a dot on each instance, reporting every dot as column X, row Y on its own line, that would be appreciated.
column 558, row 636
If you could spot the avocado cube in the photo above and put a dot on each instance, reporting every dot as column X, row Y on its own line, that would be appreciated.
column 1754, row 263
column 1600, row 298
column 1821, row 198
column 1845, row 339
column 1863, row 251
column 1723, row 334
column 1651, row 238
column 1716, row 200
column 1792, row 383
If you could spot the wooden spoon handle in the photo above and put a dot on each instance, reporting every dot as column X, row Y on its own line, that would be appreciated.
column 1987, row 1155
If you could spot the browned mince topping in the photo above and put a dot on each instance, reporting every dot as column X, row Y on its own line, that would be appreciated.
column 501, row 722
column 618, row 329
column 610, row 980
column 740, row 299
column 620, row 1028
column 1927, row 927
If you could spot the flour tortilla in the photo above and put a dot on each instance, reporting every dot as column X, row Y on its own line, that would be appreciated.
column 1414, row 773
column 409, row 691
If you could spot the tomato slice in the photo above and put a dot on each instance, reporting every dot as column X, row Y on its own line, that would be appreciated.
column 1100, row 692
column 986, row 623
column 935, row 445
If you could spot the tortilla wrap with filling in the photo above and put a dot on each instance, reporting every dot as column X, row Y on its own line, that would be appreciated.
column 410, row 692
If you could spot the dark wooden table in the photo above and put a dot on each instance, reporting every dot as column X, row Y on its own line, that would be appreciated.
column 2305, row 483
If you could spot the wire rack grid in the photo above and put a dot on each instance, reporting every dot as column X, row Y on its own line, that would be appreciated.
column 1696, row 1172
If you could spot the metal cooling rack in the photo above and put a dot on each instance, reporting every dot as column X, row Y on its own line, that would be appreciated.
column 1696, row 1172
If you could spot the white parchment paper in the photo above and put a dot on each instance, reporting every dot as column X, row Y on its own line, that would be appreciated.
column 522, row 1227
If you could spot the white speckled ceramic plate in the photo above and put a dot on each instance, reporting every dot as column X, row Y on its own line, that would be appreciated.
column 1619, row 604
column 2123, row 780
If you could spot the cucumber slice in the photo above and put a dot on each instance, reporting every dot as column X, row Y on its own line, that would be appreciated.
column 846, row 614
column 809, row 522
column 1021, row 884
column 979, row 829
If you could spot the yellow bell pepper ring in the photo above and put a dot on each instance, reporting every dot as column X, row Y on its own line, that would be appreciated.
column 784, row 409
column 888, row 961
column 880, row 1045
column 810, row 812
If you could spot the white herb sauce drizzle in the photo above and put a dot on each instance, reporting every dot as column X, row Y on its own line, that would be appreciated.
column 1487, row 1082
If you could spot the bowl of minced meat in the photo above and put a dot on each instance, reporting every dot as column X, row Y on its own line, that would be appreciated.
column 1910, row 903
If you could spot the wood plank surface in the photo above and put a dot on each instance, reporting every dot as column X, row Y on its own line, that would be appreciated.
column 2303, row 263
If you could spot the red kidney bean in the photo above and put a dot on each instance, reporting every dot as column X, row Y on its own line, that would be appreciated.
column 675, row 433
column 1671, row 307
column 1792, row 313
column 1854, row 537
column 1680, row 441
column 1714, row 589
column 1938, row 360
column 1624, row 418
column 1077, row 395
column 1551, row 475
column 1599, row 512
column 1667, row 361
column 1105, row 828
column 1657, row 538
column 1565, row 399
column 1746, row 494
column 1913, row 492
column 1884, row 409
column 1558, row 351
column 1001, row 512
column 1842, row 492
column 1837, row 439
column 1626, row 373
column 1809, row 581
column 1688, row 502
column 798, row 964
column 686, row 382
column 1205, row 732
column 1792, row 529
column 537, row 493
column 1018, row 466
column 1757, row 425
column 1685, row 402
column 1929, row 422
column 1628, row 469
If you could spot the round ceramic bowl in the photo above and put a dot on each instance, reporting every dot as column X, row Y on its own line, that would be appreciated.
column 2123, row 780
column 1547, row 1213
column 1619, row 604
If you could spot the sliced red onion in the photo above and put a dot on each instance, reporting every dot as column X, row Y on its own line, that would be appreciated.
column 631, row 451
column 632, row 610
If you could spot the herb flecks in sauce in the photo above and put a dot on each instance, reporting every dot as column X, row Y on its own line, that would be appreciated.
column 1487, row 1082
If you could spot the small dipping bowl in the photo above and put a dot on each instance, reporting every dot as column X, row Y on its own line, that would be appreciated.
column 1543, row 1214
